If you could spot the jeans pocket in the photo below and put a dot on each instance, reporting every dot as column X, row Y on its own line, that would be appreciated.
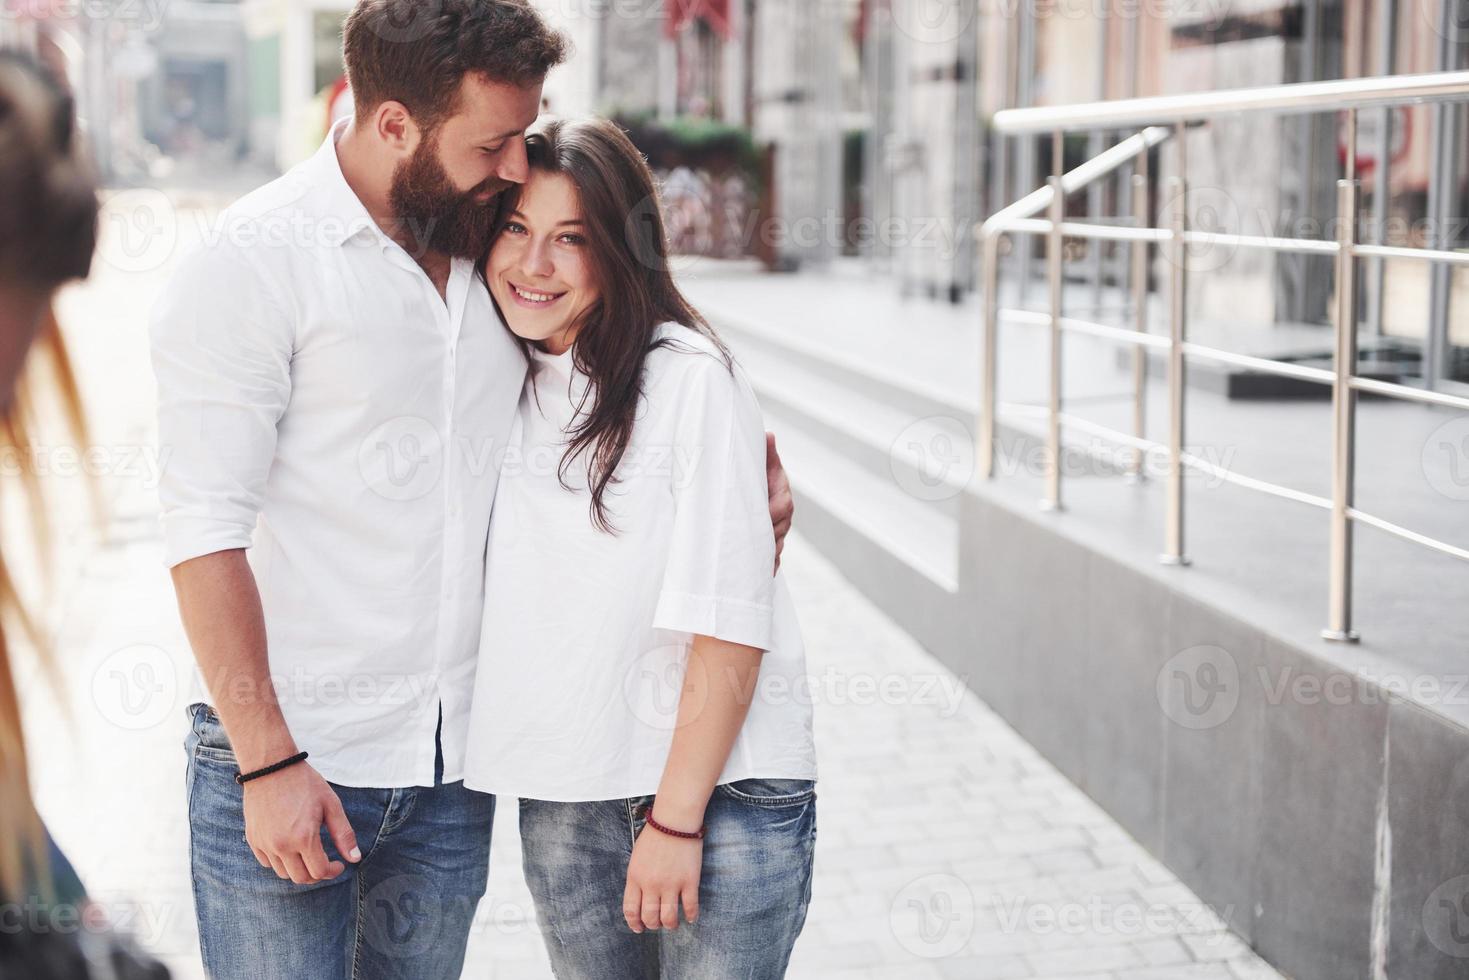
column 208, row 737
column 770, row 792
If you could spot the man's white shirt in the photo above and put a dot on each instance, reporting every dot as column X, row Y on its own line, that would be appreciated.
column 321, row 405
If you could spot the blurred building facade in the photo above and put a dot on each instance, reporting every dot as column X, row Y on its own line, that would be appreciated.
column 868, row 122
column 872, row 118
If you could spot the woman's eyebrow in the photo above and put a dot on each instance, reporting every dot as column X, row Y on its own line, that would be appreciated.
column 517, row 213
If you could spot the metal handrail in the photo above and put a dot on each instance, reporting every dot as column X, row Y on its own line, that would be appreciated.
column 1166, row 116
column 1301, row 97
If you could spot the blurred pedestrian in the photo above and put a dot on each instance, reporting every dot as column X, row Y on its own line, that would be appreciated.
column 48, row 231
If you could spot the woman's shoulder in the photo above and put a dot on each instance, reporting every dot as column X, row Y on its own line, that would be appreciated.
column 676, row 338
column 682, row 355
column 686, row 364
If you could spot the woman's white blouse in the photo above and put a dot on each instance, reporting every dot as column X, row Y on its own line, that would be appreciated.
column 587, row 633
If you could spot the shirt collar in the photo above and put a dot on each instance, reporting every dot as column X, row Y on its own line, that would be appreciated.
column 340, row 213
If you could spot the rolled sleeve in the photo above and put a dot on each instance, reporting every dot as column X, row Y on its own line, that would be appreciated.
column 719, row 580
column 221, row 350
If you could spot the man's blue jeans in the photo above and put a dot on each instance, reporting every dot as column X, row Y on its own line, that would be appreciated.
column 402, row 913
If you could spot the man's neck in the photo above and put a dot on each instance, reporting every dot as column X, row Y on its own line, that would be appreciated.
column 369, row 176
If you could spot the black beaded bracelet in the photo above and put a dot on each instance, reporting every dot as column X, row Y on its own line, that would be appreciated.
column 244, row 777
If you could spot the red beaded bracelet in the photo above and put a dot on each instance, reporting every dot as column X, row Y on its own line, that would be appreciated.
column 685, row 835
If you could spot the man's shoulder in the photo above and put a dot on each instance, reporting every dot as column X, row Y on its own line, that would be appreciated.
column 258, row 237
column 288, row 192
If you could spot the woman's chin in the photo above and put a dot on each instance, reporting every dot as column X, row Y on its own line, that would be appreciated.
column 531, row 332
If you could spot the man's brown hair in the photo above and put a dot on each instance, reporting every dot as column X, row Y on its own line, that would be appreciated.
column 417, row 52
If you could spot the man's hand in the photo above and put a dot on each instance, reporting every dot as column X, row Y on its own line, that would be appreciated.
column 782, row 504
column 283, row 816
column 663, row 870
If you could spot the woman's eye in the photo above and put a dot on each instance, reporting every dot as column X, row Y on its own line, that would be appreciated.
column 570, row 238
column 515, row 227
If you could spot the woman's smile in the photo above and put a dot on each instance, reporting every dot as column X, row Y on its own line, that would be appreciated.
column 533, row 299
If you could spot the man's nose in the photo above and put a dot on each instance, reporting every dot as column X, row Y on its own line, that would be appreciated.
column 514, row 165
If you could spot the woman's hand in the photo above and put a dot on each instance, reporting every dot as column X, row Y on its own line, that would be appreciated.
column 663, row 870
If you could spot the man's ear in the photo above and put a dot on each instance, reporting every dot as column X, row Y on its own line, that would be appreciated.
column 394, row 125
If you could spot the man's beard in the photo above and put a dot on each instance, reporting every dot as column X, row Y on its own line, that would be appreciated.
column 433, row 215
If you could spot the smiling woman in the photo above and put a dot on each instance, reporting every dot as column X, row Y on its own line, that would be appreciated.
column 648, row 554
column 580, row 256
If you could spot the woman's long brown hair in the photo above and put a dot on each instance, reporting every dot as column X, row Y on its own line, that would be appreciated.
column 628, row 251
column 48, row 229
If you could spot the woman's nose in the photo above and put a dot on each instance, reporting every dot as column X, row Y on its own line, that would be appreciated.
column 536, row 260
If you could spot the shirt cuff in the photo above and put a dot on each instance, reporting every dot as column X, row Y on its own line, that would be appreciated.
column 192, row 537
column 731, row 620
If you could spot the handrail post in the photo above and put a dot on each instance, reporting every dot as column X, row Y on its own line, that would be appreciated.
column 1344, row 414
column 989, row 377
column 1139, row 257
column 1173, row 553
column 1054, row 273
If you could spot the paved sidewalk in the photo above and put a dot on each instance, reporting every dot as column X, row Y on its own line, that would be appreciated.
column 947, row 847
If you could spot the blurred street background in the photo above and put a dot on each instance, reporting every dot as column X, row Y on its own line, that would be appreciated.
column 1044, row 753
